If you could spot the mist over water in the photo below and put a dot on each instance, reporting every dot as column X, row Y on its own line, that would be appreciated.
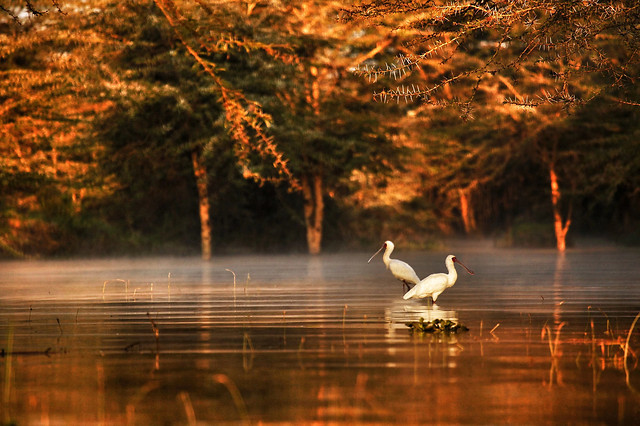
column 305, row 339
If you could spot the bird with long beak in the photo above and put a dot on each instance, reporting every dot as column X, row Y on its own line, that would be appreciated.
column 401, row 270
column 433, row 285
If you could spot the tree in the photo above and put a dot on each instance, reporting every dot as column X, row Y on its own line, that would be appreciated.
column 245, row 118
column 536, row 53
column 566, row 39
column 181, row 79
column 49, row 98
column 297, row 73
column 595, row 151
column 29, row 8
column 198, row 111
column 323, row 119
column 172, row 73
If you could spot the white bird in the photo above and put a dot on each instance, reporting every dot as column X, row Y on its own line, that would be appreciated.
column 401, row 270
column 435, row 284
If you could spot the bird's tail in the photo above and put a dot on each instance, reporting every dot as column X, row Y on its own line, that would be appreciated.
column 410, row 293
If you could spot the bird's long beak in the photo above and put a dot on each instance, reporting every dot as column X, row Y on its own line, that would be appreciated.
column 462, row 264
column 374, row 254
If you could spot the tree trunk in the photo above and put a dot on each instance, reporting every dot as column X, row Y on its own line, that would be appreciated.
column 561, row 227
column 200, row 173
column 312, row 190
column 313, row 211
column 466, row 208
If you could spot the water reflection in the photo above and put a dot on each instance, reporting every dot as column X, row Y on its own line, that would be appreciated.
column 319, row 340
column 430, row 351
column 401, row 312
column 558, row 276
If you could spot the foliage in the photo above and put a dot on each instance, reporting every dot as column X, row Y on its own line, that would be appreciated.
column 565, row 41
column 322, row 118
column 245, row 118
column 601, row 153
column 171, row 107
column 49, row 99
column 525, row 233
column 103, row 106
column 493, row 60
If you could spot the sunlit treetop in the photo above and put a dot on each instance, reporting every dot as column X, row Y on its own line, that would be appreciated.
column 29, row 8
column 541, row 51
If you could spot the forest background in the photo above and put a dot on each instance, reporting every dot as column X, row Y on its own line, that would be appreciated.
column 182, row 127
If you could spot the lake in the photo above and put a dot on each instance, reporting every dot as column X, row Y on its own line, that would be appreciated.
column 300, row 339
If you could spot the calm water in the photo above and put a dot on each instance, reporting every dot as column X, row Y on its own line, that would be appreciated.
column 297, row 339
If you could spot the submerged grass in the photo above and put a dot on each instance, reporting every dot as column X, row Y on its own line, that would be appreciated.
column 435, row 326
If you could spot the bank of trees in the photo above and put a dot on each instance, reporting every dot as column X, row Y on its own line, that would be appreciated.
column 554, row 57
column 175, row 126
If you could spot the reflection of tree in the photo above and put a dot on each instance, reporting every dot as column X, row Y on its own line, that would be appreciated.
column 561, row 263
column 555, row 374
column 610, row 351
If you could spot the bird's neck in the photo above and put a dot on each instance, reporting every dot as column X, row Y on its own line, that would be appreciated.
column 386, row 257
column 452, row 275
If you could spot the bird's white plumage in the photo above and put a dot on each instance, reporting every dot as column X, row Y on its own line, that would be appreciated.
column 402, row 271
column 399, row 269
column 433, row 285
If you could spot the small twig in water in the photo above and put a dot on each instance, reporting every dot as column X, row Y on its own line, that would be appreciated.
column 234, row 279
column 131, row 346
column 8, row 369
column 223, row 379
column 247, row 363
column 344, row 314
column 553, row 346
column 300, row 348
column 104, row 285
column 156, row 332
column 188, row 407
column 169, row 286
column 626, row 352
column 284, row 328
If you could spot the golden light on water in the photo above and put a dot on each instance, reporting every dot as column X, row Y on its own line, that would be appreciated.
column 321, row 341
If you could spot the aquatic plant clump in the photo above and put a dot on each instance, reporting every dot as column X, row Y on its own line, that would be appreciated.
column 435, row 326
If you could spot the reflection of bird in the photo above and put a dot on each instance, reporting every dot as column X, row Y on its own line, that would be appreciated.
column 435, row 284
column 401, row 270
